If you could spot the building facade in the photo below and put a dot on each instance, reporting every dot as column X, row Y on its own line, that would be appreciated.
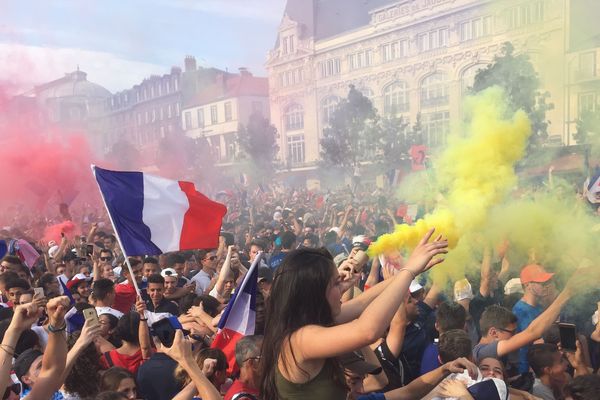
column 216, row 111
column 411, row 57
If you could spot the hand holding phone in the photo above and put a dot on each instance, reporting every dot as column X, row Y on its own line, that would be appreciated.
column 568, row 337
column 90, row 315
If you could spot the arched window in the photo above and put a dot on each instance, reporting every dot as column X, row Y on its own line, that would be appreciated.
column 434, row 90
column 395, row 98
column 328, row 106
column 468, row 77
column 294, row 117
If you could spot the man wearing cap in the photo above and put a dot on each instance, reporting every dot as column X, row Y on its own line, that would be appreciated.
column 536, row 283
column 79, row 287
column 265, row 280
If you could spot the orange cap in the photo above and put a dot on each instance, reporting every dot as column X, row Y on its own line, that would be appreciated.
column 535, row 273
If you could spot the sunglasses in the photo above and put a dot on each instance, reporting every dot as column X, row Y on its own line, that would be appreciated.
column 105, row 258
column 211, row 258
column 512, row 332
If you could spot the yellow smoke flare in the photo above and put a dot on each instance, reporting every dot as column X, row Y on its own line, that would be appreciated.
column 474, row 172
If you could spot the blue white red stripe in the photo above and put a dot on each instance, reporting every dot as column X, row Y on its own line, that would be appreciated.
column 154, row 215
column 239, row 317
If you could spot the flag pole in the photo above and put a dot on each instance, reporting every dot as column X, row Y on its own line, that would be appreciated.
column 135, row 285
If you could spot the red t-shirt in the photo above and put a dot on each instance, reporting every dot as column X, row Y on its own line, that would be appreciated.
column 239, row 387
column 130, row 363
column 125, row 296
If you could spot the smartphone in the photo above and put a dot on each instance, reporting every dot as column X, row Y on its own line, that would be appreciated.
column 361, row 257
column 89, row 250
column 568, row 337
column 38, row 292
column 165, row 329
column 91, row 315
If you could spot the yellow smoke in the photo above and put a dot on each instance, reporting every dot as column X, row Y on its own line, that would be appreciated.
column 474, row 172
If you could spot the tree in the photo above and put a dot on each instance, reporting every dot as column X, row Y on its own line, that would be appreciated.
column 393, row 142
column 516, row 74
column 588, row 127
column 258, row 143
column 349, row 137
column 124, row 155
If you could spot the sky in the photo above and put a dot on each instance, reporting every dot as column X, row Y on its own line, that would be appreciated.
column 120, row 42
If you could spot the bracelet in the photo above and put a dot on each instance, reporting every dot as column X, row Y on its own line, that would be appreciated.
column 10, row 353
column 53, row 329
column 410, row 272
column 144, row 319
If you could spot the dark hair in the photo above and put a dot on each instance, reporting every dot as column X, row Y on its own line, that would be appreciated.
column 111, row 237
column 102, row 288
column 112, row 377
column 174, row 258
column 12, row 260
column 112, row 320
column 24, row 269
column 110, row 395
column 134, row 262
column 17, row 283
column 584, row 387
column 495, row 316
column 298, row 298
column 47, row 279
column 106, row 251
column 85, row 374
column 28, row 339
column 150, row 260
column 288, row 239
column 156, row 278
column 259, row 243
column 450, row 315
column 127, row 328
column 209, row 303
column 541, row 356
column 454, row 344
column 8, row 275
column 312, row 238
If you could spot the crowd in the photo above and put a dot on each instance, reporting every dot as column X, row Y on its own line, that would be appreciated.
column 330, row 322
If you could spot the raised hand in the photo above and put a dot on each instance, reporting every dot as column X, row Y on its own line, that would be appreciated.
column 57, row 308
column 421, row 258
column 25, row 316
column 459, row 365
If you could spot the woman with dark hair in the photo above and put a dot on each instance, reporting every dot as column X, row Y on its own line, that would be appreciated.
column 135, row 344
column 307, row 326
column 119, row 380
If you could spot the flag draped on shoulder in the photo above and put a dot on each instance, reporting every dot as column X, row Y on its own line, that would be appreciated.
column 154, row 215
column 239, row 317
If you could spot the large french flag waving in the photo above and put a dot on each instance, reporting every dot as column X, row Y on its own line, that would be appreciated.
column 154, row 215
column 239, row 317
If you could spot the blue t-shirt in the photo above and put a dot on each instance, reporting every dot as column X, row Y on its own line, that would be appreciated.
column 276, row 260
column 525, row 314
column 372, row 396
column 430, row 360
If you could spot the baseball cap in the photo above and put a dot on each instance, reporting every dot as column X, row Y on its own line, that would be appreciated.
column 168, row 272
column 489, row 389
column 414, row 287
column 265, row 274
column 76, row 279
column 535, row 273
column 514, row 285
column 24, row 361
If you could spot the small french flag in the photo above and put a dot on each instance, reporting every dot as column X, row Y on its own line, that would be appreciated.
column 154, row 215
column 239, row 317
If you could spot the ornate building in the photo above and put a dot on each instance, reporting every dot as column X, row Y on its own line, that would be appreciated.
column 409, row 57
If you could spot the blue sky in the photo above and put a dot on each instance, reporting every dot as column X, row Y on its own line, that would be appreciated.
column 118, row 43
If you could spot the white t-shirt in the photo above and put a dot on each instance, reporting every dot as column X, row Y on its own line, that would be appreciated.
column 202, row 280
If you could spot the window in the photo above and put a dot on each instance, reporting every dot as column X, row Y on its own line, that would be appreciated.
column 168, row 86
column 152, row 91
column 154, row 115
column 475, row 28
column 587, row 102
column 215, row 144
column 434, row 90
column 146, row 117
column 525, row 14
column 587, row 65
column 228, row 115
column 177, row 109
column 433, row 39
column 214, row 115
column 360, row 60
column 329, row 67
column 394, row 50
column 287, row 44
column 162, row 113
column 395, row 98
column 291, row 77
column 468, row 77
column 294, row 117
column 159, row 87
column 328, row 107
column 436, row 127
column 175, row 84
column 139, row 119
column 295, row 149
column 188, row 120
column 229, row 146
column 200, row 118
column 169, row 111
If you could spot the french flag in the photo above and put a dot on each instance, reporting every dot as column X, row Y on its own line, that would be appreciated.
column 239, row 317
column 154, row 215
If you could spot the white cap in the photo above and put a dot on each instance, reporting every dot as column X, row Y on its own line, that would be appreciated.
column 108, row 310
column 81, row 277
column 414, row 287
column 513, row 286
column 335, row 229
column 277, row 216
column 463, row 290
column 52, row 251
column 168, row 272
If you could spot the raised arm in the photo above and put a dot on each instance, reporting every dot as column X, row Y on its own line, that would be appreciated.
column 395, row 337
column 89, row 333
column 143, row 331
column 317, row 342
column 225, row 270
column 53, row 363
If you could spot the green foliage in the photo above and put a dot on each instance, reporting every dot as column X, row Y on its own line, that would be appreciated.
column 516, row 74
column 348, row 138
column 258, row 142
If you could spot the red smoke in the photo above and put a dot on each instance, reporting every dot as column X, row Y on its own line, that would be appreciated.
column 40, row 166
column 54, row 232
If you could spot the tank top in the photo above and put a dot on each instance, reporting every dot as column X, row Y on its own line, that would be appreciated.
column 321, row 387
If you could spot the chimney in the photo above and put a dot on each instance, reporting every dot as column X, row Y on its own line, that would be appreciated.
column 244, row 71
column 190, row 63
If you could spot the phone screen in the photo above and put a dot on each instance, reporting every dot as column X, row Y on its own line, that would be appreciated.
column 568, row 337
column 89, row 250
column 90, row 314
